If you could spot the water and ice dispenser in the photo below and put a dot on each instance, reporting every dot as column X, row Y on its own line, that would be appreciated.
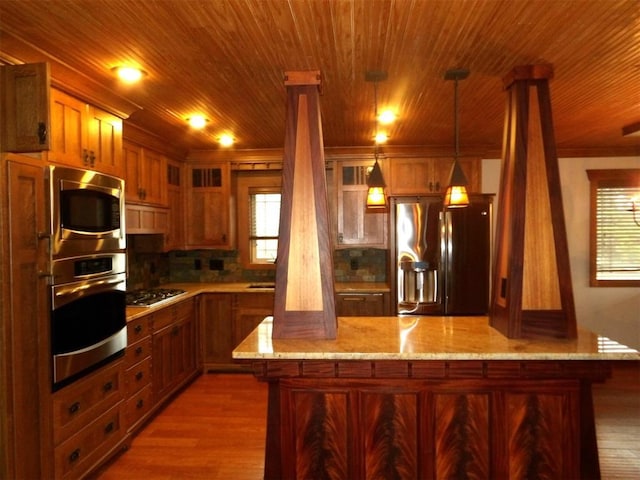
column 417, row 285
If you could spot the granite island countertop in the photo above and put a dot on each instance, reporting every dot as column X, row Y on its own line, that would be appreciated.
column 426, row 338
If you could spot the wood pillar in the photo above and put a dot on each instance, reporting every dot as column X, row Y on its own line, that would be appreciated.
column 532, row 294
column 304, row 293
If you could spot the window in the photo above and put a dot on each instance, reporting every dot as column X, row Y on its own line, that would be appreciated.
column 614, row 234
column 265, row 222
column 258, row 215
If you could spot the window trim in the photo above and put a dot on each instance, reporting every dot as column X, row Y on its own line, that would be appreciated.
column 247, row 183
column 596, row 179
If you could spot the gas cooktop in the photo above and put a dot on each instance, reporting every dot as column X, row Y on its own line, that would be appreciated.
column 146, row 297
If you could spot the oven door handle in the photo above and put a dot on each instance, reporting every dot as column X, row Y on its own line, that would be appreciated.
column 63, row 294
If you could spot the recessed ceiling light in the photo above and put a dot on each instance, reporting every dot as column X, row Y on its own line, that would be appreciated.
column 226, row 140
column 129, row 74
column 381, row 137
column 197, row 121
column 387, row 117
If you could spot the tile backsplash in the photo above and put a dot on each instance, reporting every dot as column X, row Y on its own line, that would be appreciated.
column 152, row 269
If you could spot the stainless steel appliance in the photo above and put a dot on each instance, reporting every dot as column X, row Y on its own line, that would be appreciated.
column 87, row 271
column 145, row 297
column 86, row 212
column 88, row 322
column 441, row 258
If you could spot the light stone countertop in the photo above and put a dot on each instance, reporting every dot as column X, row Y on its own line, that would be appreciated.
column 426, row 338
column 193, row 289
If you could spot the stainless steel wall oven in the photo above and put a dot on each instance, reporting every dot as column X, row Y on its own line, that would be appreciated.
column 88, row 272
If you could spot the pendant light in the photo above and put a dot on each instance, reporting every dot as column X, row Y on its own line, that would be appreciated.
column 376, row 196
column 456, row 195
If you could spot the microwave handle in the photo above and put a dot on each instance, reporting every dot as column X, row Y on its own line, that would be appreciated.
column 68, row 293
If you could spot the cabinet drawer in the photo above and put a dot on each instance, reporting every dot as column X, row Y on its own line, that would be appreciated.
column 360, row 304
column 185, row 309
column 137, row 352
column 138, row 329
column 138, row 406
column 173, row 313
column 138, row 376
column 163, row 318
column 76, row 405
column 73, row 457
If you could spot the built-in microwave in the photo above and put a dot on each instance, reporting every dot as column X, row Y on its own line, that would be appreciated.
column 86, row 212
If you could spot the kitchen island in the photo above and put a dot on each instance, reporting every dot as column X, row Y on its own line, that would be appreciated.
column 430, row 397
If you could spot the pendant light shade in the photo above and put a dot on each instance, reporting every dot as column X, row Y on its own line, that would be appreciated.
column 456, row 195
column 376, row 195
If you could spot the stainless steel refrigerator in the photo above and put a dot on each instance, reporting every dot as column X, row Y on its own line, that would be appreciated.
column 441, row 258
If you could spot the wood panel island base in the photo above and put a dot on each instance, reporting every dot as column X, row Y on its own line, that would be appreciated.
column 430, row 398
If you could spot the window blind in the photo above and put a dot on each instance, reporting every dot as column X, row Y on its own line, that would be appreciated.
column 617, row 235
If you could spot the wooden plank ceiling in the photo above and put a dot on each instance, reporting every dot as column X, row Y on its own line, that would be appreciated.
column 226, row 58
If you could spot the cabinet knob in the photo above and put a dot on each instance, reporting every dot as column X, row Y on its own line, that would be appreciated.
column 74, row 408
column 138, row 328
column 139, row 351
column 109, row 427
column 107, row 387
column 74, row 456
column 139, row 376
column 140, row 403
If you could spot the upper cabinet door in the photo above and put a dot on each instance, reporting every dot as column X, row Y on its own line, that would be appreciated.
column 208, row 206
column 26, row 124
column 355, row 226
column 105, row 141
column 69, row 117
column 85, row 136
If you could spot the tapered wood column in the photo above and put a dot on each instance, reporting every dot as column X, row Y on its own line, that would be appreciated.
column 304, row 294
column 532, row 292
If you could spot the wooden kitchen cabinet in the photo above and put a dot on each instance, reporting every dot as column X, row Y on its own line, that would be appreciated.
column 175, row 236
column 216, row 342
column 425, row 175
column 368, row 304
column 138, row 373
column 355, row 226
column 174, row 348
column 146, row 178
column 209, row 203
column 249, row 310
column 26, row 338
column 84, row 136
column 225, row 320
column 88, row 421
column 25, row 107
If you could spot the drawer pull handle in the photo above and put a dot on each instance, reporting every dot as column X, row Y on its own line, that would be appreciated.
column 74, row 456
column 138, row 328
column 354, row 299
column 107, row 387
column 109, row 427
column 139, row 351
column 140, row 403
column 75, row 406
column 139, row 376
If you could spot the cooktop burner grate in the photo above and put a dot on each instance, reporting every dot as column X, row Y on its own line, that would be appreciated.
column 150, row 296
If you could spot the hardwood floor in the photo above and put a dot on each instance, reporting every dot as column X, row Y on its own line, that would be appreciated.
column 215, row 430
